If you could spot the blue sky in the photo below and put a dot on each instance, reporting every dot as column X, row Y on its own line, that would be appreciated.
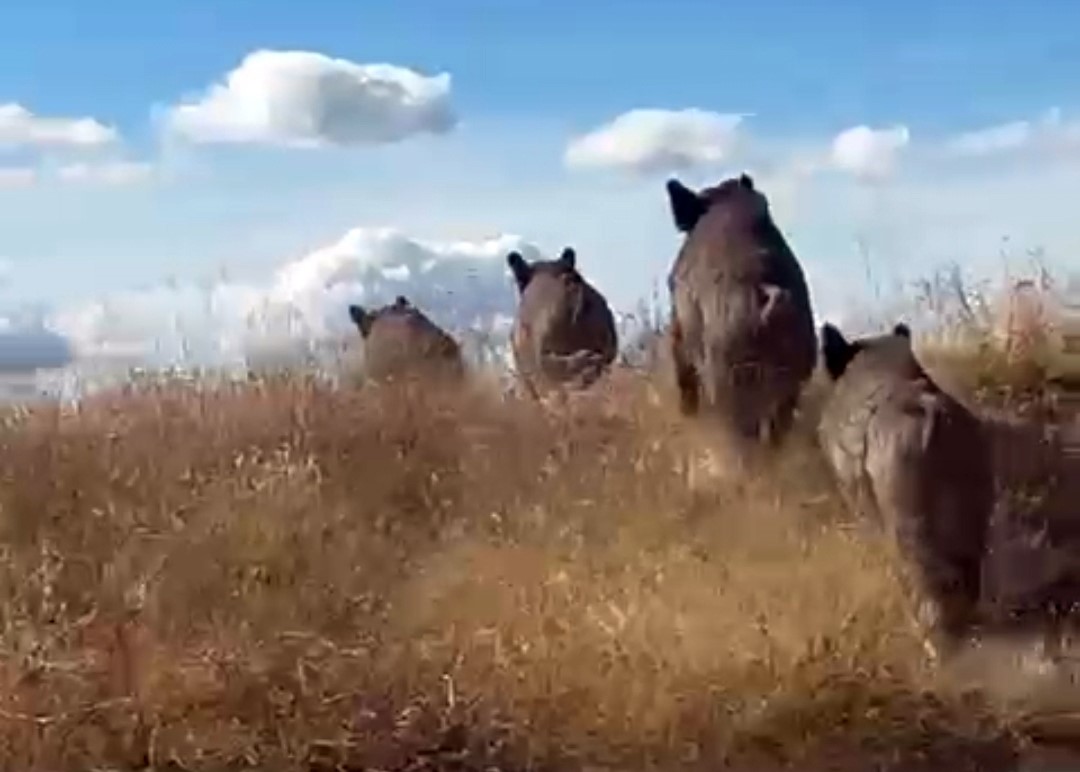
column 528, row 78
column 943, row 65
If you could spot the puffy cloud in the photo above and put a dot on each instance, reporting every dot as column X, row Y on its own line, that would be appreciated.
column 19, row 126
column 301, row 310
column 307, row 99
column 867, row 153
column 463, row 283
column 106, row 172
column 647, row 140
column 17, row 177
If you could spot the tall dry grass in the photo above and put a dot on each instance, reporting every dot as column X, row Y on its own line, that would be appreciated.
column 283, row 575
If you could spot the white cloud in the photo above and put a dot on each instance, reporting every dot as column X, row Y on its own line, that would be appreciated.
column 17, row 177
column 995, row 139
column 646, row 140
column 867, row 153
column 106, row 172
column 460, row 284
column 1049, row 132
column 19, row 126
column 307, row 99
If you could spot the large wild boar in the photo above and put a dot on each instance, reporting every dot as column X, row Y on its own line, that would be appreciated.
column 564, row 332
column 400, row 340
column 742, row 330
column 1031, row 574
column 916, row 460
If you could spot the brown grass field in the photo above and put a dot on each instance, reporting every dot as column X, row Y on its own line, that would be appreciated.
column 281, row 575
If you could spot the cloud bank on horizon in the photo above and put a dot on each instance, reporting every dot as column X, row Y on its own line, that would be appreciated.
column 310, row 102
column 463, row 285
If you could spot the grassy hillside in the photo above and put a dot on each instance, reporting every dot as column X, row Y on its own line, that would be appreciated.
column 284, row 575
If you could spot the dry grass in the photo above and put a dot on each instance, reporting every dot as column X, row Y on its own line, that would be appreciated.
column 280, row 575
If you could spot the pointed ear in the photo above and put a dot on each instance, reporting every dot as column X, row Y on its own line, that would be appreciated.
column 746, row 181
column 902, row 330
column 522, row 271
column 362, row 319
column 836, row 351
column 686, row 205
column 568, row 257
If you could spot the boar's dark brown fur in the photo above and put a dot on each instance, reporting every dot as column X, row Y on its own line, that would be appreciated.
column 918, row 461
column 400, row 340
column 564, row 332
column 742, row 331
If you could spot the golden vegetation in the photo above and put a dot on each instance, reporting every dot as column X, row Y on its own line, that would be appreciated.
column 284, row 575
column 279, row 575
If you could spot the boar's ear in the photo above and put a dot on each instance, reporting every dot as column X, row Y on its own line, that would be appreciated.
column 568, row 257
column 836, row 350
column 522, row 271
column 746, row 181
column 686, row 205
column 902, row 330
column 362, row 319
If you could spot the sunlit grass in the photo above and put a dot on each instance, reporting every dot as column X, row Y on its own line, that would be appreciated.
column 281, row 574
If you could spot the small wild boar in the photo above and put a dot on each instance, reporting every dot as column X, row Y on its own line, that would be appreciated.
column 564, row 332
column 400, row 340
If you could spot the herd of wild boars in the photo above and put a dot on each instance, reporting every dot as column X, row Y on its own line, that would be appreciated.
column 742, row 347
